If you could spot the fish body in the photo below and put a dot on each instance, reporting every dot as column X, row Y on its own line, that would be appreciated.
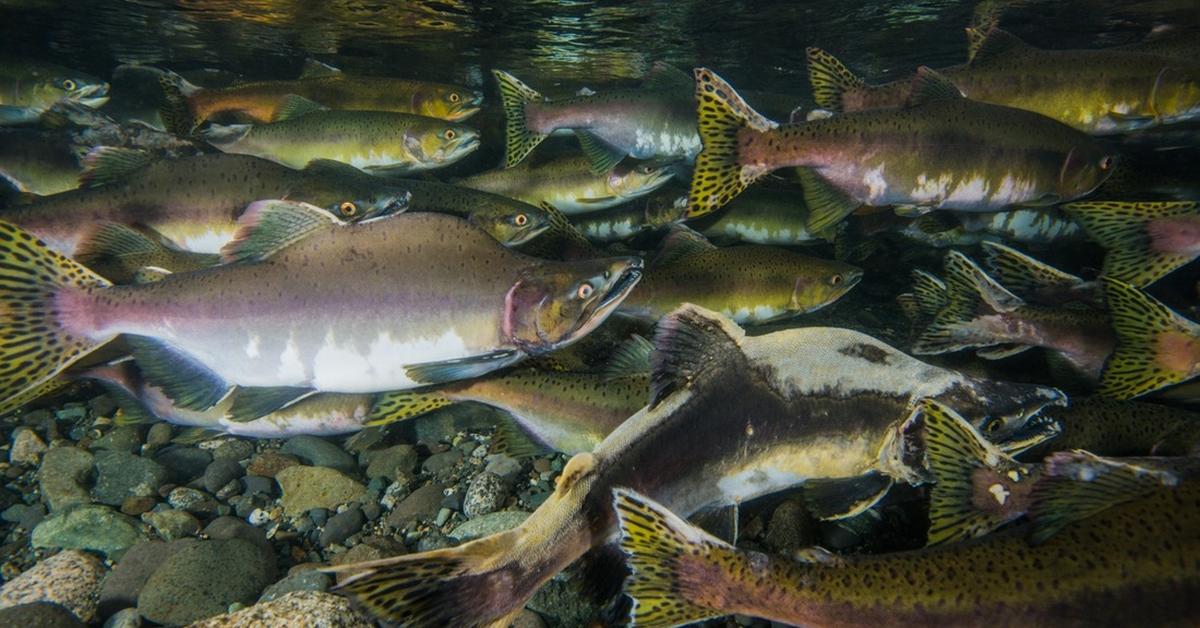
column 750, row 284
column 377, row 305
column 262, row 101
column 27, row 88
column 1025, row 226
column 645, row 123
column 1108, row 427
column 39, row 162
column 195, row 201
column 570, row 185
column 511, row 222
column 323, row 415
column 395, row 143
column 620, row 223
column 761, row 217
column 682, row 574
column 1095, row 91
column 732, row 417
column 942, row 152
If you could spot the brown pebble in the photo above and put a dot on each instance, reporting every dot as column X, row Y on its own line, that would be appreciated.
column 134, row 506
column 270, row 463
column 541, row 465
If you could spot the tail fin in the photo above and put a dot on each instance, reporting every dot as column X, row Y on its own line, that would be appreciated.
column 34, row 346
column 520, row 140
column 969, row 291
column 176, row 111
column 468, row 585
column 719, row 176
column 1078, row 484
column 655, row 539
column 402, row 405
column 1156, row 347
column 929, row 292
column 1025, row 276
column 978, row 487
column 830, row 79
column 1141, row 238
column 29, row 395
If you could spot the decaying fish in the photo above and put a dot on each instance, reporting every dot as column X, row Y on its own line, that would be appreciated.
column 732, row 417
column 1095, row 571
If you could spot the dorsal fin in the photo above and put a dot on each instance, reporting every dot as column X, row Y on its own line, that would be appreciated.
column 929, row 85
column 313, row 69
column 681, row 242
column 830, row 79
column 663, row 75
column 105, row 165
column 689, row 343
column 294, row 106
column 631, row 357
column 268, row 226
column 995, row 42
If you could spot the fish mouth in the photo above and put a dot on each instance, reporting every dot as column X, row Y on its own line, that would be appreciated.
column 91, row 95
column 620, row 288
column 529, row 234
column 465, row 147
column 1037, row 430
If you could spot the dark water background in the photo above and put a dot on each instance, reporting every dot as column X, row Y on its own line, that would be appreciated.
column 754, row 44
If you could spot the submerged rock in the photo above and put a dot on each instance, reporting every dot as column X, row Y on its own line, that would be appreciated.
column 70, row 578
column 27, row 447
column 319, row 452
column 89, row 527
column 484, row 525
column 305, row 488
column 300, row 608
column 122, row 475
column 39, row 615
column 64, row 476
column 202, row 580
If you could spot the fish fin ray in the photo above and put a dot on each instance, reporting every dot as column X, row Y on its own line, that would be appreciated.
column 967, row 289
column 929, row 85
column 680, row 243
column 839, row 498
column 295, row 106
column 176, row 111
column 1002, row 352
column 1140, row 321
column 402, row 405
column 718, row 175
column 664, row 75
column 267, row 227
column 630, row 357
column 463, row 368
column 1079, row 484
column 35, row 346
column 688, row 344
column 313, row 68
column 254, row 402
column 827, row 205
column 960, row 459
column 509, row 439
column 515, row 96
column 654, row 539
column 601, row 156
column 996, row 41
column 187, row 382
column 830, row 78
column 1023, row 275
column 929, row 291
column 105, row 165
column 1121, row 228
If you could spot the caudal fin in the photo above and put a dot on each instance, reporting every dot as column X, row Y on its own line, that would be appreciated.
column 969, row 293
column 34, row 345
column 719, row 175
column 830, row 79
column 175, row 110
column 978, row 487
column 1142, row 239
column 1156, row 347
column 402, row 405
column 660, row 547
column 515, row 96
column 1025, row 276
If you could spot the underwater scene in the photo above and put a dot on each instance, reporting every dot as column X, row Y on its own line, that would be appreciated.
column 558, row 313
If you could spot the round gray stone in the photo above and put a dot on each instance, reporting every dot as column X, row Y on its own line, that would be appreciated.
column 202, row 580
column 121, row 474
column 319, row 452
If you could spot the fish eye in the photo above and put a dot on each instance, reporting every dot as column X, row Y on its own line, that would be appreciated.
column 348, row 209
column 521, row 220
column 69, row 85
column 993, row 425
column 835, row 280
column 1106, row 162
column 584, row 290
column 454, row 97
column 449, row 134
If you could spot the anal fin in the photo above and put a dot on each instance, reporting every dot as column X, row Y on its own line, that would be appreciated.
column 188, row 383
column 250, row 403
column 829, row 499
column 827, row 205
column 600, row 154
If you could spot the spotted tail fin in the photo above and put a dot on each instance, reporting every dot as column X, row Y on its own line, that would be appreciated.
column 515, row 96
column 830, row 78
column 1156, row 347
column 719, row 175
column 978, row 487
column 969, row 292
column 655, row 539
column 35, row 345
column 1143, row 239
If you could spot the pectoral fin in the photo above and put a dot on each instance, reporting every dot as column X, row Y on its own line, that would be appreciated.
column 602, row 156
column 845, row 497
column 463, row 368
column 188, row 383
